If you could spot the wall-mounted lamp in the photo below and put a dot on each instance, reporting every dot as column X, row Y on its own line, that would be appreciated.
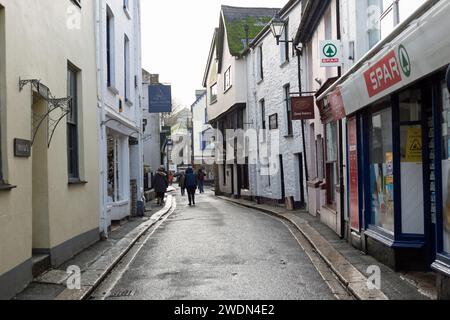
column 319, row 81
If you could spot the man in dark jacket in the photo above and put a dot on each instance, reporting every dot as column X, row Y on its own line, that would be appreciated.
column 160, row 183
column 182, row 183
column 201, row 181
column 191, row 185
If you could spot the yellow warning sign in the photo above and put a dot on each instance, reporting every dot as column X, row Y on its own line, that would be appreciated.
column 414, row 145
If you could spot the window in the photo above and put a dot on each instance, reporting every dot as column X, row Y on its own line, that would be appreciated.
column 331, row 161
column 77, row 2
column 213, row 93
column 287, row 101
column 109, row 47
column 390, row 13
column 126, row 73
column 262, row 105
column 115, row 171
column 446, row 168
column 259, row 64
column 284, row 46
column 72, row 123
column 227, row 80
column 381, row 169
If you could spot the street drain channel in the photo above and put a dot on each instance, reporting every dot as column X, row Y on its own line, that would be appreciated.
column 122, row 294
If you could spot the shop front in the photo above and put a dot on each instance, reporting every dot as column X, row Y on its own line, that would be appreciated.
column 398, row 119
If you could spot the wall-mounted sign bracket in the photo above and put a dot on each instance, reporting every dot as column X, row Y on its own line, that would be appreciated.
column 51, row 115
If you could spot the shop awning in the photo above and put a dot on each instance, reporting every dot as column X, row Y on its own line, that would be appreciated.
column 421, row 48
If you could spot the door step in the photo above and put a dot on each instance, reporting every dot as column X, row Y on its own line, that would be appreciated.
column 41, row 263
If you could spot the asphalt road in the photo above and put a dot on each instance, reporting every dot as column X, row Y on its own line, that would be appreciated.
column 218, row 251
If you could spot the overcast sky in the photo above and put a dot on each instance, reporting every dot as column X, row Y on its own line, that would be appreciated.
column 176, row 37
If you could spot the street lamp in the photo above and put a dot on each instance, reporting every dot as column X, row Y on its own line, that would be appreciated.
column 277, row 27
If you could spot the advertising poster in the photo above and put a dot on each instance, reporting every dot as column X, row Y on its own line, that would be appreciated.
column 353, row 159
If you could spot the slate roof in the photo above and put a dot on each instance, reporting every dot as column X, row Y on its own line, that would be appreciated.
column 236, row 18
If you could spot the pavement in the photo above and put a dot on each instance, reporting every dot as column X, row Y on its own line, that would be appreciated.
column 349, row 264
column 216, row 251
column 96, row 261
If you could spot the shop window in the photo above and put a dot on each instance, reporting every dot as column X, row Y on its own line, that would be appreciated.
column 446, row 168
column 331, row 163
column 115, row 171
column 382, row 170
column 410, row 105
column 72, row 123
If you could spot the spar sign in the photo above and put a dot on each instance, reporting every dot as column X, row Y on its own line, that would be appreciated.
column 389, row 71
column 330, row 53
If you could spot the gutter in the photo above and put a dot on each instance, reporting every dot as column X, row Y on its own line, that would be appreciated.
column 371, row 53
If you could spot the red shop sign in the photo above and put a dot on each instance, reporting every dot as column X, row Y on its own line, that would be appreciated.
column 302, row 108
column 353, row 171
column 383, row 75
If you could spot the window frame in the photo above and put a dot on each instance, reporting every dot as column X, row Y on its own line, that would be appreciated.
column 110, row 53
column 72, row 121
column 213, row 96
column 288, row 110
column 127, row 69
column 227, row 83
column 260, row 63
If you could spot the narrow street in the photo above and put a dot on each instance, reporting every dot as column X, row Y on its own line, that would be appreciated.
column 218, row 251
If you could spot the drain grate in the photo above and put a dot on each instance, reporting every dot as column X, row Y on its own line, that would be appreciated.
column 122, row 294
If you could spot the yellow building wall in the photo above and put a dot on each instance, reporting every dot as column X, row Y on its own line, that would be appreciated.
column 41, row 37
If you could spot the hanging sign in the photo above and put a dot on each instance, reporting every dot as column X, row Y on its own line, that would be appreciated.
column 302, row 108
column 160, row 98
column 330, row 53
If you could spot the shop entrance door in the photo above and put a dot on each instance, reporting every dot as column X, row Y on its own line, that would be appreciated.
column 418, row 185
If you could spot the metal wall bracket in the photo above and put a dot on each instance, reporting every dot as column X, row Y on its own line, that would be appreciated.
column 53, row 104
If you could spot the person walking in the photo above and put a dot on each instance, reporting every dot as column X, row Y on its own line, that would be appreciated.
column 160, row 183
column 182, row 183
column 201, row 181
column 191, row 185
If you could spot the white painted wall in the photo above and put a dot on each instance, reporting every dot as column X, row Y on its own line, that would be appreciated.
column 128, row 121
column 276, row 76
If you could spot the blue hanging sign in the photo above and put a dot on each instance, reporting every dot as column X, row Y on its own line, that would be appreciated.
column 160, row 98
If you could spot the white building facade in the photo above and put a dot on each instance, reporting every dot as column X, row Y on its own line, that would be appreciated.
column 272, row 79
column 120, row 90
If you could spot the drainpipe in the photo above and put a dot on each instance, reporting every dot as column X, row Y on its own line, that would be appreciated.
column 102, row 128
column 305, row 158
column 341, row 138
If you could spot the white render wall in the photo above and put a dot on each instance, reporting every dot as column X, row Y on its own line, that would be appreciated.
column 127, row 123
column 271, row 89
column 198, row 118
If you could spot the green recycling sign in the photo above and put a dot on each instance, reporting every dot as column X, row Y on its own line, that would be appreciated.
column 330, row 53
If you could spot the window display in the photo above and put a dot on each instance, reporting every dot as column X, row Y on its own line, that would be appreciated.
column 382, row 170
column 446, row 167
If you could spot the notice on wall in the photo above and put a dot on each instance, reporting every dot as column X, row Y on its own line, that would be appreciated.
column 414, row 145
